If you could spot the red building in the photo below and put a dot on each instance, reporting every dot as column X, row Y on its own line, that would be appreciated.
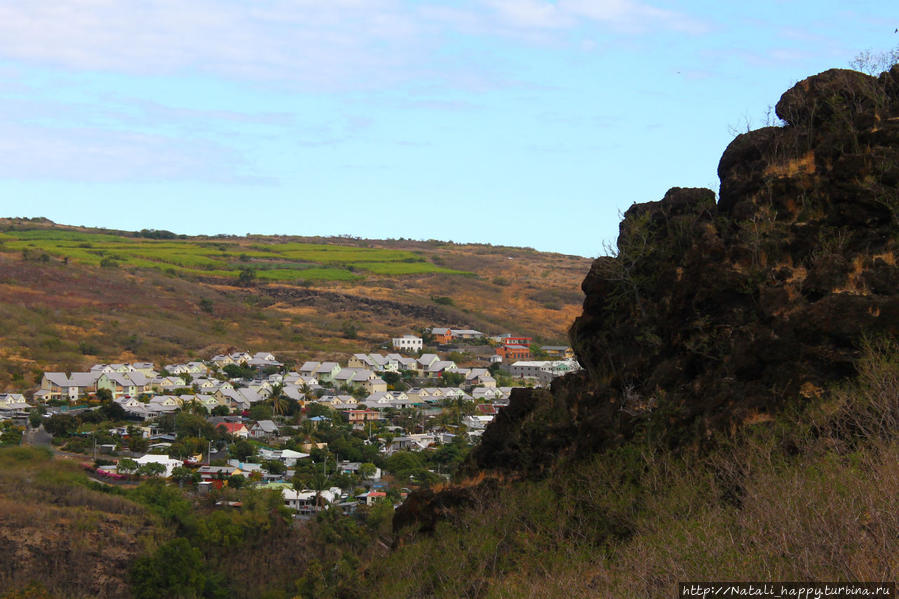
column 525, row 341
column 513, row 352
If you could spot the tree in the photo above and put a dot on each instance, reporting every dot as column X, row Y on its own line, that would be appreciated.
column 242, row 450
column 350, row 329
column 35, row 417
column 367, row 470
column 453, row 379
column 174, row 570
column 220, row 411
column 246, row 277
column 181, row 475
column 151, row 469
column 274, row 466
column 261, row 412
column 280, row 403
column 127, row 466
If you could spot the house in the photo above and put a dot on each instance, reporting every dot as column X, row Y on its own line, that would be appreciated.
column 437, row 368
column 559, row 351
column 354, row 416
column 134, row 408
column 513, row 352
column 166, row 383
column 479, row 393
column 240, row 357
column 418, row 442
column 466, row 334
column 145, row 368
column 260, row 363
column 293, row 392
column 326, row 371
column 13, row 404
column 169, row 463
column 306, row 501
column 207, row 401
column 308, row 369
column 345, row 467
column 263, row 429
column 288, row 457
column 56, row 385
column 338, row 402
column 384, row 363
column 442, row 335
column 221, row 360
column 235, row 429
column 477, row 421
column 424, row 362
column 371, row 497
column 353, row 377
column 360, row 361
column 374, row 385
column 218, row 475
column 128, row 384
column 163, row 404
column 407, row 343
column 527, row 369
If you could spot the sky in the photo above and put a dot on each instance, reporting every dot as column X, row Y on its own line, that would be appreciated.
column 512, row 122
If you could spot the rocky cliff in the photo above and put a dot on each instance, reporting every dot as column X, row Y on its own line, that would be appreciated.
column 716, row 315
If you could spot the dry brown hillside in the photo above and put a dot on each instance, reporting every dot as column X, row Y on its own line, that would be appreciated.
column 61, row 309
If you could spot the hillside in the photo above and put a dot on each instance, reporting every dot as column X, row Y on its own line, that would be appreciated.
column 71, row 296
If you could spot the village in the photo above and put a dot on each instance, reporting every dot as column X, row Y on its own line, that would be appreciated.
column 331, row 434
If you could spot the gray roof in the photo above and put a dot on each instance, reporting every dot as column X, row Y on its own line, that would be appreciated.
column 266, row 426
column 57, row 378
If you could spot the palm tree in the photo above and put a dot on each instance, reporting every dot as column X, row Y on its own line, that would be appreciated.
column 279, row 402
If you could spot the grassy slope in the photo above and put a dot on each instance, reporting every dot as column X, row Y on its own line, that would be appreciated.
column 67, row 315
column 811, row 496
column 56, row 531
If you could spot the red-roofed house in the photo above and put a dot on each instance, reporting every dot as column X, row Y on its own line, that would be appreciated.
column 371, row 497
column 235, row 429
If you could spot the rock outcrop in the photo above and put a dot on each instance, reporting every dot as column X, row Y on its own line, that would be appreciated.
column 714, row 315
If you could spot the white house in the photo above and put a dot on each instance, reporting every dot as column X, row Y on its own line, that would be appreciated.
column 408, row 343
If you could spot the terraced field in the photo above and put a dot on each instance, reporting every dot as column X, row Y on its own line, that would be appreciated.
column 222, row 258
column 71, row 297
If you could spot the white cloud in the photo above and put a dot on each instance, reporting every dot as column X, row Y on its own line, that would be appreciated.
column 624, row 15
column 334, row 43
column 99, row 156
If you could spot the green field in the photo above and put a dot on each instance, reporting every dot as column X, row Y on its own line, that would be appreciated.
column 226, row 258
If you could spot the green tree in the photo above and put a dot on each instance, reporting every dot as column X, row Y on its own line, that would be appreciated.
column 274, row 466
column 261, row 411
column 174, row 570
column 242, row 450
column 127, row 466
column 246, row 277
column 151, row 469
column 367, row 470
column 181, row 475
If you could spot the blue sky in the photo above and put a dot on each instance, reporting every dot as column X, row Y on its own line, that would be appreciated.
column 516, row 122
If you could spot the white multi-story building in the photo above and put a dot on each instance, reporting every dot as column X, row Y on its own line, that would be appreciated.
column 408, row 343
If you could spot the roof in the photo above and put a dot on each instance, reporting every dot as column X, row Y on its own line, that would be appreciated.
column 57, row 378
column 231, row 427
column 267, row 426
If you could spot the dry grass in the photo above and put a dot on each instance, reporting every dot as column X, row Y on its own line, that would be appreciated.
column 810, row 497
